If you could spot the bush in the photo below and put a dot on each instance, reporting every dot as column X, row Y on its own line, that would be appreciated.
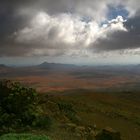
column 69, row 111
column 66, row 107
column 17, row 103
column 43, row 122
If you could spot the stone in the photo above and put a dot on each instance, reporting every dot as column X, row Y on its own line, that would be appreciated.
column 108, row 134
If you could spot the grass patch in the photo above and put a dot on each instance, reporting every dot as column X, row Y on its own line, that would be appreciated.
column 24, row 137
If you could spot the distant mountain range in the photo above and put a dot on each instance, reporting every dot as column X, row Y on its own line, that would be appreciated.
column 62, row 65
column 56, row 65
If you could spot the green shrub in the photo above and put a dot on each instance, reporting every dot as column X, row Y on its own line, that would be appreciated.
column 19, row 107
column 66, row 107
column 17, row 104
column 13, row 95
column 43, row 122
column 69, row 111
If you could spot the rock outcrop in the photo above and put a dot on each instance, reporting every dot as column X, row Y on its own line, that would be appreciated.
column 108, row 134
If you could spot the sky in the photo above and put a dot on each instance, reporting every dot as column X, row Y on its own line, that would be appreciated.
column 70, row 31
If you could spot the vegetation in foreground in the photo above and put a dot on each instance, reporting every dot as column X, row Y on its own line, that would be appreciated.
column 23, row 137
column 64, row 117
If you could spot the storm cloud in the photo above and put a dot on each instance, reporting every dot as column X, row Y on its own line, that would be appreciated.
column 55, row 28
column 121, row 40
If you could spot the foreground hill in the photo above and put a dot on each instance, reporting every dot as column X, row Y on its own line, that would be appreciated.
column 23, row 110
column 69, row 115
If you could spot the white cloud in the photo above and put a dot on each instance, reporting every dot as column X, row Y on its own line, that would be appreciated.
column 64, row 32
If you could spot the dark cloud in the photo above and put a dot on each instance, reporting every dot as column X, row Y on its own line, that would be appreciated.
column 9, row 49
column 15, row 16
column 9, row 21
column 120, row 40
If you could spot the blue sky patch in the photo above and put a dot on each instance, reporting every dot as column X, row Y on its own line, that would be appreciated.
column 115, row 11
